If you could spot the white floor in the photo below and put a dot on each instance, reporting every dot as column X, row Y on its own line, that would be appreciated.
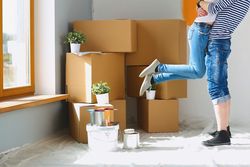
column 158, row 149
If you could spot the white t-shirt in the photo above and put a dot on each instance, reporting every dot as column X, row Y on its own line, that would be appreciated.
column 209, row 18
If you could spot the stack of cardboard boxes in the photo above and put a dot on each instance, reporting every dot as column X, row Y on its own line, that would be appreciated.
column 126, row 45
column 113, row 38
column 166, row 41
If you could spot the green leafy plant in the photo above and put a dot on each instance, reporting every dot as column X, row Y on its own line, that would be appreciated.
column 100, row 88
column 75, row 37
column 152, row 87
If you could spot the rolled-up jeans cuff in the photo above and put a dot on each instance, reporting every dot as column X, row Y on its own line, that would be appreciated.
column 221, row 99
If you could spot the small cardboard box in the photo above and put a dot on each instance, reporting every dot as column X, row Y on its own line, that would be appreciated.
column 79, row 117
column 83, row 71
column 165, row 90
column 158, row 115
column 108, row 35
column 120, row 113
column 165, row 40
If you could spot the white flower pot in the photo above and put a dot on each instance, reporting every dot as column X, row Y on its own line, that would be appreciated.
column 150, row 94
column 102, row 98
column 75, row 48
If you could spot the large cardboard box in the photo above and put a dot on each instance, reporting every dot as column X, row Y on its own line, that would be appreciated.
column 79, row 117
column 165, row 40
column 120, row 115
column 83, row 71
column 165, row 90
column 108, row 35
column 158, row 115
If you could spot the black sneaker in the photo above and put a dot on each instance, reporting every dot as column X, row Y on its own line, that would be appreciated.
column 221, row 138
column 214, row 133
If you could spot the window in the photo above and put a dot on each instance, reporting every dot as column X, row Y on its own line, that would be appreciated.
column 16, row 48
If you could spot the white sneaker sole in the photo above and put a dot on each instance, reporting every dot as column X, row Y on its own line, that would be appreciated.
column 145, row 84
column 150, row 69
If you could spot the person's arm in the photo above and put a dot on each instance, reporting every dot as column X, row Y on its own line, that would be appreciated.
column 201, row 12
column 215, row 7
column 202, row 4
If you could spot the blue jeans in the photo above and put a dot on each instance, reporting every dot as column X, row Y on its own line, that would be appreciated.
column 198, row 40
column 216, row 64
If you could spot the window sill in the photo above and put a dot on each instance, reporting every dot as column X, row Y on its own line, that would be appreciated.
column 29, row 101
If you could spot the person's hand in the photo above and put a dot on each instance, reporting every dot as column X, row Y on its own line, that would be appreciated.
column 201, row 12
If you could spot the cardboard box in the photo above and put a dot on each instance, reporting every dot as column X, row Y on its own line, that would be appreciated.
column 158, row 115
column 165, row 90
column 79, row 117
column 83, row 71
column 108, row 35
column 120, row 113
column 165, row 40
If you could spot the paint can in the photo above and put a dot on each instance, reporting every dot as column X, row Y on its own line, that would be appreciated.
column 108, row 116
column 102, row 138
column 99, row 117
column 131, row 139
column 92, row 116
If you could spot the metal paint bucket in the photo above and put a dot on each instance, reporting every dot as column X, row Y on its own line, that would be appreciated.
column 92, row 116
column 99, row 117
column 131, row 139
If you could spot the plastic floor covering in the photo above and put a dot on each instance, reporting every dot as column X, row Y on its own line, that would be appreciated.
column 156, row 149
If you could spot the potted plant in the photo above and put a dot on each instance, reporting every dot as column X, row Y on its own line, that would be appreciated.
column 101, row 90
column 75, row 39
column 150, row 92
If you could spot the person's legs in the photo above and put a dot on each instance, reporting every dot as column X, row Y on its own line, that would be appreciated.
column 222, row 115
column 163, row 77
column 197, row 38
column 216, row 63
column 158, row 78
column 223, row 134
column 222, row 118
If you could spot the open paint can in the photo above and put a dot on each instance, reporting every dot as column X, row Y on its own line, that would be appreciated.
column 130, row 139
column 99, row 117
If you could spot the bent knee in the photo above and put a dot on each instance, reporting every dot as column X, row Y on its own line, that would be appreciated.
column 200, row 73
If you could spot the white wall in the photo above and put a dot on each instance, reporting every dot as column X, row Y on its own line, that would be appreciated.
column 197, row 108
column 53, row 21
column 67, row 11
column 45, row 81
column 239, row 73
column 136, row 9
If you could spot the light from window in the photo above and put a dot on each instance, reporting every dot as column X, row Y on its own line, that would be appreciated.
column 16, row 43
